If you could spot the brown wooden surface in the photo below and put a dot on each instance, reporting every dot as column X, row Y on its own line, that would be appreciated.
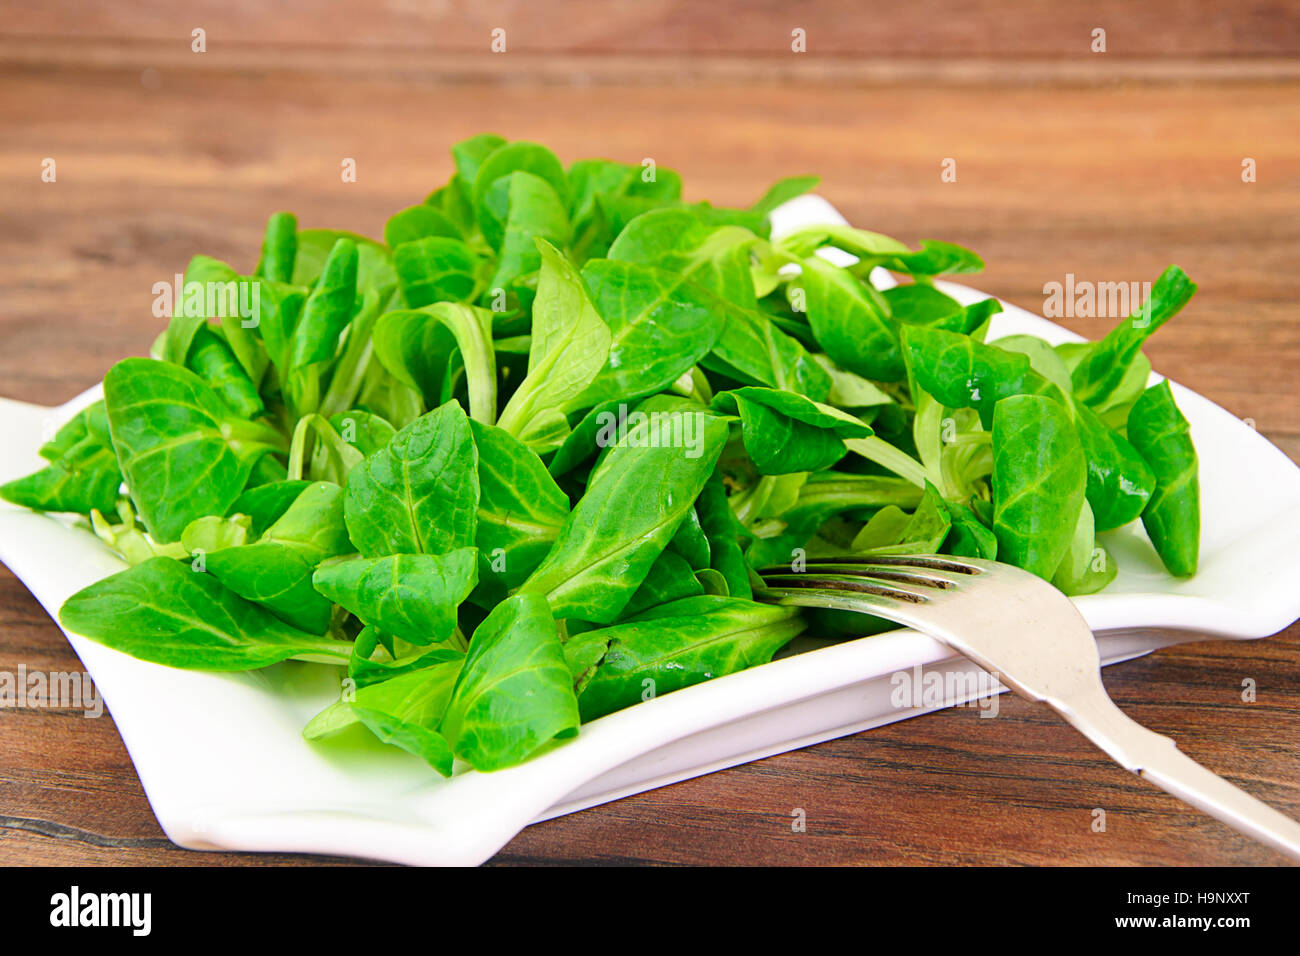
column 851, row 28
column 1109, row 167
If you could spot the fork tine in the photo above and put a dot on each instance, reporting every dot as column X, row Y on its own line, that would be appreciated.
column 942, row 561
column 891, row 576
column 931, row 562
column 935, row 573
column 846, row 584
column 866, row 602
column 884, row 572
column 928, row 562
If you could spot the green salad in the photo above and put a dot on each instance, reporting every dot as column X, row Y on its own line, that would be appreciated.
column 514, row 467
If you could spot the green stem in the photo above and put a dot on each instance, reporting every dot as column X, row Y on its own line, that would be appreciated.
column 346, row 383
column 325, row 652
column 860, row 491
column 458, row 640
column 473, row 333
column 298, row 447
column 517, row 410
column 350, row 370
column 250, row 438
column 752, row 500
column 302, row 391
column 693, row 385
column 874, row 448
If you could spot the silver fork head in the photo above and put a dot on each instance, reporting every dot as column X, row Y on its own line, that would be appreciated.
column 1006, row 620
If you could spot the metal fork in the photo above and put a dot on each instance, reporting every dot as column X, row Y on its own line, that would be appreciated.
column 1029, row 634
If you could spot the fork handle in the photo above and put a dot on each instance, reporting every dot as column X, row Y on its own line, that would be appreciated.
column 1157, row 758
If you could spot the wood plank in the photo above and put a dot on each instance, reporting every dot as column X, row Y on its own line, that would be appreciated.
column 926, row 28
column 154, row 58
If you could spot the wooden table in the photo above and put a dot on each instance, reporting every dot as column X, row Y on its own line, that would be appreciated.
column 1108, row 166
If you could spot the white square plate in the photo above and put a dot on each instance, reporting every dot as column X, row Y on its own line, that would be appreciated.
column 224, row 764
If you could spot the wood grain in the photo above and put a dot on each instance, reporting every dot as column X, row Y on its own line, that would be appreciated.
column 1110, row 176
column 850, row 28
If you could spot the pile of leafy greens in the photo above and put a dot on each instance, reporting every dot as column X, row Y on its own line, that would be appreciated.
column 514, row 467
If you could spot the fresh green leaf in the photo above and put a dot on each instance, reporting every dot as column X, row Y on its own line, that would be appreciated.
column 785, row 432
column 660, row 325
column 420, row 494
column 683, row 643
column 164, row 612
column 1172, row 517
column 437, row 269
column 1039, row 475
column 570, row 345
column 520, row 511
column 412, row 596
column 415, row 223
column 515, row 691
column 83, row 473
column 631, row 510
column 181, row 452
column 405, row 710
column 279, row 247
column 1103, row 367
